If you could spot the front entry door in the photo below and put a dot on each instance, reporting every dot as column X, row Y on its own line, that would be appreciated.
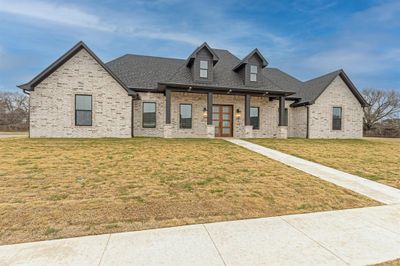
column 222, row 120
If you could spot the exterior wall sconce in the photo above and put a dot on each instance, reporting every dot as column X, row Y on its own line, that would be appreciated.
column 205, row 112
column 238, row 113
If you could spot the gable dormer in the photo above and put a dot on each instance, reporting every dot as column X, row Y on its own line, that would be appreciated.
column 201, row 63
column 250, row 68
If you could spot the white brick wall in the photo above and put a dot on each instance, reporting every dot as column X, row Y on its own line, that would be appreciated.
column 336, row 95
column 297, row 122
column 158, row 131
column 52, row 103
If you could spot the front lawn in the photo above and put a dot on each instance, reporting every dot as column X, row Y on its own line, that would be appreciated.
column 375, row 159
column 52, row 188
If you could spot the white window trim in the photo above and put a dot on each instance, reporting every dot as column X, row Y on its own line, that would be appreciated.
column 203, row 70
column 253, row 74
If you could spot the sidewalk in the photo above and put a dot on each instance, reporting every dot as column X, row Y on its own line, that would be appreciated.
column 374, row 190
column 357, row 237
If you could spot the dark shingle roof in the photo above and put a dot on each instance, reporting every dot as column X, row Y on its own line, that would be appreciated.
column 310, row 90
column 138, row 71
column 146, row 72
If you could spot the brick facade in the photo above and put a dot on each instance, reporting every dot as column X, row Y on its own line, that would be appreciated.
column 52, row 103
column 336, row 95
column 52, row 106
column 268, row 115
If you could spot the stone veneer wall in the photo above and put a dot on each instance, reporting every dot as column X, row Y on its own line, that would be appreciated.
column 52, row 103
column 336, row 95
column 297, row 122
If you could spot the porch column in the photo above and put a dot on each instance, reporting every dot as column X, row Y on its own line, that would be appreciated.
column 167, row 106
column 282, row 111
column 247, row 110
column 282, row 126
column 209, row 108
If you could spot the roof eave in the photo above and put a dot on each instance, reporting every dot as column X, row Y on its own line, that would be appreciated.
column 163, row 85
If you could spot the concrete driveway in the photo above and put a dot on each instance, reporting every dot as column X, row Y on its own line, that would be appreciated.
column 356, row 237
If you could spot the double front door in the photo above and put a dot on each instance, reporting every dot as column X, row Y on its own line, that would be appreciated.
column 222, row 120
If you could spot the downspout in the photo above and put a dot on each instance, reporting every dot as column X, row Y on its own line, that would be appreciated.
column 132, row 117
column 308, row 122
column 29, row 113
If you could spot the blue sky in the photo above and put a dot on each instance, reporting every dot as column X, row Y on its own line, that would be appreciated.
column 303, row 38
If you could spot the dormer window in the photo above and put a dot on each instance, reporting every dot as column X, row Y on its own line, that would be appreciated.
column 253, row 73
column 203, row 69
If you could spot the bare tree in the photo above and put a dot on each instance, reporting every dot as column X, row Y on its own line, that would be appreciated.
column 383, row 105
column 14, row 111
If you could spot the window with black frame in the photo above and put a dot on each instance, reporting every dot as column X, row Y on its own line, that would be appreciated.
column 255, row 117
column 83, row 110
column 185, row 116
column 149, row 115
column 337, row 118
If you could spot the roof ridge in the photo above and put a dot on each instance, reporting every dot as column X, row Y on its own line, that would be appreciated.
column 159, row 57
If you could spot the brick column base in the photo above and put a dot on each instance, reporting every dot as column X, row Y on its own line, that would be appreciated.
column 248, row 131
column 210, row 131
column 282, row 132
column 168, row 131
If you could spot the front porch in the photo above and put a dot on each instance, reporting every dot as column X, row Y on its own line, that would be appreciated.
column 201, row 113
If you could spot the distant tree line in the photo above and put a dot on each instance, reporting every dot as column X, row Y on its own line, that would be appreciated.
column 382, row 116
column 14, row 111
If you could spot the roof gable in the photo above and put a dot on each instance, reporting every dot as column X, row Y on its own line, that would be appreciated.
column 30, row 86
column 309, row 91
column 193, row 56
column 245, row 60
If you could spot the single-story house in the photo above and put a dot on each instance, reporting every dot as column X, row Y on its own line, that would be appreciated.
column 212, row 93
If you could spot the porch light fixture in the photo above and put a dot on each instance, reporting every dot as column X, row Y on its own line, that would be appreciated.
column 205, row 112
column 237, row 113
column 229, row 91
column 190, row 88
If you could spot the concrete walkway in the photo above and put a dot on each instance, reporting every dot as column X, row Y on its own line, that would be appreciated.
column 357, row 237
column 371, row 189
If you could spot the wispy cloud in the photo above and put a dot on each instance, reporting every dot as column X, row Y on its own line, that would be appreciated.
column 56, row 13
column 145, row 24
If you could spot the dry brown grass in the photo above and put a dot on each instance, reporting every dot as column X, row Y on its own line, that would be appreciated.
column 52, row 188
column 389, row 263
column 372, row 158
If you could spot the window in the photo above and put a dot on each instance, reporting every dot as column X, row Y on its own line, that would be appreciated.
column 255, row 117
column 83, row 110
column 203, row 69
column 337, row 118
column 253, row 73
column 185, row 116
column 149, row 115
